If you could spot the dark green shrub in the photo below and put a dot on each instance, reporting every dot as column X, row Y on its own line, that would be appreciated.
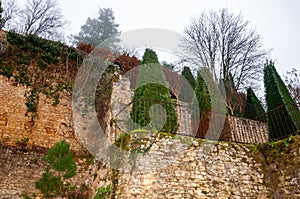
column 49, row 185
column 253, row 107
column 73, row 55
column 34, row 40
column 29, row 48
column 187, row 73
column 202, row 92
column 150, row 57
column 209, row 115
column 48, row 58
column 60, row 161
column 283, row 121
column 52, row 48
column 187, row 91
column 60, row 158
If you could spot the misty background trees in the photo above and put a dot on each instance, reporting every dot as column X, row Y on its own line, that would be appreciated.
column 224, row 43
column 96, row 30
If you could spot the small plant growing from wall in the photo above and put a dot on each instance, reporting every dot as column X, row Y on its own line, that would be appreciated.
column 61, row 165
column 103, row 192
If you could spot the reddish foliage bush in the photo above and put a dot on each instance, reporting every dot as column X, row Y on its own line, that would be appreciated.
column 126, row 62
column 87, row 48
column 205, row 122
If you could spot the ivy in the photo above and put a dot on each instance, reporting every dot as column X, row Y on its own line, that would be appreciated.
column 32, row 100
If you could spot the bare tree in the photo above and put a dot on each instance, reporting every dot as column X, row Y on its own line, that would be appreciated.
column 292, row 80
column 41, row 17
column 223, row 42
column 10, row 10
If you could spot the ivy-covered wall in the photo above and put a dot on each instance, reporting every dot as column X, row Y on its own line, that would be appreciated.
column 48, row 125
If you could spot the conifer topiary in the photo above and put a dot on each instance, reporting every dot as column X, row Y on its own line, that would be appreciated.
column 253, row 108
column 152, row 97
column 187, row 91
column 150, row 57
column 283, row 121
column 211, row 106
column 202, row 92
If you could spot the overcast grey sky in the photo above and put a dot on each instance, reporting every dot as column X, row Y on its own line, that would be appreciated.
column 277, row 21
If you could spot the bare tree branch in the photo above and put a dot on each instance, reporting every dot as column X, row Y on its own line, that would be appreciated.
column 223, row 42
column 10, row 9
column 41, row 17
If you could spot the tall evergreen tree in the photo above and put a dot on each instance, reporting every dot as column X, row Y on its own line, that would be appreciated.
column 96, row 30
column 202, row 92
column 253, row 107
column 187, row 90
column 150, row 57
column 212, row 107
column 284, row 121
column 187, row 73
column 152, row 90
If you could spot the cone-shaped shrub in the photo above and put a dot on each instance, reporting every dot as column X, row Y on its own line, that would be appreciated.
column 152, row 105
column 187, row 91
column 212, row 108
column 202, row 104
column 253, row 108
column 202, row 93
column 285, row 120
column 150, row 57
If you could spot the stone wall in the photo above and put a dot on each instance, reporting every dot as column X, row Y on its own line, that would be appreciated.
column 181, row 167
column 172, row 166
column 120, row 107
column 281, row 162
column 49, row 125
column 21, row 168
column 242, row 130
